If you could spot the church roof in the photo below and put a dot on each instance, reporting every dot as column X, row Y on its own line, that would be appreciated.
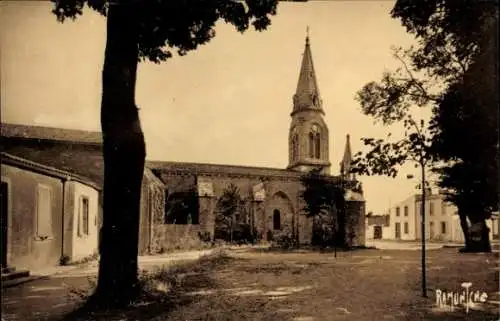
column 18, row 131
column 307, row 95
column 220, row 169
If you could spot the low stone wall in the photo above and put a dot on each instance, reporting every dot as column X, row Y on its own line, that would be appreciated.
column 168, row 237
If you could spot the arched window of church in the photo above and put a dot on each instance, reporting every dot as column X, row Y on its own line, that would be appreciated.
column 314, row 142
column 295, row 147
column 317, row 145
column 276, row 220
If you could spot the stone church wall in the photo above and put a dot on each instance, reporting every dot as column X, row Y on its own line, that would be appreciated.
column 167, row 237
column 281, row 193
column 355, row 223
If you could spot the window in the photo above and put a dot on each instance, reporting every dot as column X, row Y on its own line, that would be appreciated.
column 317, row 146
column 83, row 216
column 443, row 208
column 314, row 142
column 295, row 147
column 276, row 220
column 43, row 211
column 443, row 227
column 311, row 145
column 406, row 228
column 431, row 208
column 398, row 230
column 397, row 211
column 406, row 210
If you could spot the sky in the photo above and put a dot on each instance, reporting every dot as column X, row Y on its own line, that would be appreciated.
column 228, row 102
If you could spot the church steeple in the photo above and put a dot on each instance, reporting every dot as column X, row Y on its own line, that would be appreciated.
column 307, row 92
column 308, row 138
column 345, row 164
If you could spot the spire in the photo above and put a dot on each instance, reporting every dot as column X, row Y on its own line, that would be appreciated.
column 345, row 165
column 307, row 93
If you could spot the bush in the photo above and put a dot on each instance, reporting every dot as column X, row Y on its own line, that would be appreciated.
column 205, row 237
column 242, row 234
column 286, row 241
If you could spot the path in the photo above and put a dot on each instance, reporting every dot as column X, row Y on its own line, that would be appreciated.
column 51, row 296
column 406, row 245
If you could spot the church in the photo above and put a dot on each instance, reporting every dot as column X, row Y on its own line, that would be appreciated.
column 271, row 196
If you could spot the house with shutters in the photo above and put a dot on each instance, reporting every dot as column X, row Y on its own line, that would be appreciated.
column 49, row 216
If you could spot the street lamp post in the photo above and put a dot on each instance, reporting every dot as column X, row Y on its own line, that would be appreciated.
column 422, row 213
column 421, row 156
column 422, row 223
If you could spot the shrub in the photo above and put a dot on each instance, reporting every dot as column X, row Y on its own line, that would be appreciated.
column 286, row 241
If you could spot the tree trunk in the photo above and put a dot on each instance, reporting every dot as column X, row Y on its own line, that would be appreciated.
column 481, row 241
column 465, row 228
column 484, row 244
column 124, row 156
column 478, row 240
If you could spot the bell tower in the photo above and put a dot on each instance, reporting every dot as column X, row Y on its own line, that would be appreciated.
column 308, row 138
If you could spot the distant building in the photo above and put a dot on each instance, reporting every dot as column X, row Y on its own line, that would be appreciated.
column 378, row 226
column 442, row 221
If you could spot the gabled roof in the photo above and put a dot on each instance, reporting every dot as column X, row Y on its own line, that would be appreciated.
column 307, row 95
column 23, row 163
column 49, row 133
column 83, row 162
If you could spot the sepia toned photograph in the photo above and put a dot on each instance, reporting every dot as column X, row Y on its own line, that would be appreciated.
column 206, row 160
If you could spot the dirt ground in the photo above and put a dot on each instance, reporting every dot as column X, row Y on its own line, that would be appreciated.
column 255, row 284
column 360, row 285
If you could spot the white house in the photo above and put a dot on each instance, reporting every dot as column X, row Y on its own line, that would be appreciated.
column 442, row 221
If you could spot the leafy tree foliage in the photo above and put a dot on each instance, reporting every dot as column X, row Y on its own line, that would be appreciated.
column 455, row 47
column 162, row 26
column 231, row 208
column 141, row 30
column 325, row 203
column 450, row 33
column 384, row 157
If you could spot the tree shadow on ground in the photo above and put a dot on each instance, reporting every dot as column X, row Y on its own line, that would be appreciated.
column 163, row 290
column 309, row 249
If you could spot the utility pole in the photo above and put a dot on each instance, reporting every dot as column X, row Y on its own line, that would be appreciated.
column 422, row 213
column 422, row 158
